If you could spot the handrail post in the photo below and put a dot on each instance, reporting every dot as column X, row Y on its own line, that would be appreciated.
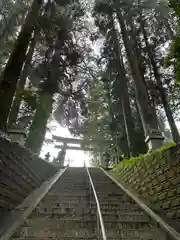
column 98, row 225
column 100, row 222
column 90, row 194
column 170, row 232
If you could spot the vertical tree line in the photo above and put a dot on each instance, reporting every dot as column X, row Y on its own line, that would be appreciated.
column 49, row 70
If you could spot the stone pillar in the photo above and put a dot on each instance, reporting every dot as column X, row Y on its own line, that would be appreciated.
column 154, row 140
column 101, row 158
column 17, row 135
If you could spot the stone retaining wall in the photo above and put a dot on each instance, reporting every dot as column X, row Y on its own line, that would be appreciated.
column 156, row 178
column 20, row 173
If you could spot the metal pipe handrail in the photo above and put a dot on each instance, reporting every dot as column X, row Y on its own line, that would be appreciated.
column 98, row 205
column 165, row 226
column 15, row 219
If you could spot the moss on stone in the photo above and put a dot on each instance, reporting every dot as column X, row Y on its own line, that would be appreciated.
column 149, row 158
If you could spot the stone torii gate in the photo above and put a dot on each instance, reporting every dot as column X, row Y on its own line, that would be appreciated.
column 83, row 144
column 82, row 141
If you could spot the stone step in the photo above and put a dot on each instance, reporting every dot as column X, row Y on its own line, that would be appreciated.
column 109, row 223
column 56, row 232
column 124, row 217
column 57, row 212
column 84, row 202
column 117, row 206
column 104, row 187
column 74, row 209
column 86, row 213
column 124, row 199
column 68, row 189
column 62, row 203
column 77, row 238
column 71, row 185
column 109, row 191
column 85, row 230
column 68, row 194
column 58, row 199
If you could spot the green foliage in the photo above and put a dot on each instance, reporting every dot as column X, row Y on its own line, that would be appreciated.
column 167, row 61
column 31, row 98
column 175, row 48
column 133, row 160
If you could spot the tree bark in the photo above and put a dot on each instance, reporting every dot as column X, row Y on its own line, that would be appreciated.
column 162, row 92
column 121, row 77
column 2, row 2
column 38, row 128
column 17, row 100
column 49, row 87
column 16, row 60
column 147, row 114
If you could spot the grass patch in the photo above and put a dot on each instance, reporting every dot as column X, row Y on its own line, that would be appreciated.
column 150, row 155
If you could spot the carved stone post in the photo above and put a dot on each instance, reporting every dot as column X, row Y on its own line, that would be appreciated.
column 17, row 135
column 154, row 140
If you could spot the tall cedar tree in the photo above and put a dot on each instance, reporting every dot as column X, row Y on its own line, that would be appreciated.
column 15, row 63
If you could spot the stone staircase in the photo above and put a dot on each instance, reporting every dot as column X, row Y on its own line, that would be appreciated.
column 123, row 218
column 69, row 211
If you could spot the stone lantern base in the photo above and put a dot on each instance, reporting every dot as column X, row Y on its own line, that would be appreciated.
column 154, row 140
column 17, row 135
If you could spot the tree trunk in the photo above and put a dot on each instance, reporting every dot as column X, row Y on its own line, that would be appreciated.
column 121, row 77
column 38, row 128
column 49, row 87
column 147, row 114
column 14, row 65
column 162, row 92
column 2, row 2
column 17, row 100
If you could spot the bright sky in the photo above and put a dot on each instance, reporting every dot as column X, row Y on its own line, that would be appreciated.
column 77, row 157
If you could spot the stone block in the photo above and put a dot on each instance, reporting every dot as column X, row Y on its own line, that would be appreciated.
column 172, row 193
column 159, row 188
column 171, row 214
column 151, row 192
column 178, row 190
column 167, row 167
column 175, row 202
column 155, row 182
column 159, row 171
column 170, row 173
column 142, row 183
column 166, row 205
column 149, row 185
column 162, row 178
column 144, row 189
column 175, row 181
column 178, row 214
column 157, row 167
column 162, row 196
column 153, row 176
column 166, row 185
column 175, row 161
column 177, row 169
column 145, row 195
column 154, row 199
column 147, row 180
column 150, row 170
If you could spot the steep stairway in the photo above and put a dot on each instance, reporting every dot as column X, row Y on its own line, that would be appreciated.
column 63, row 213
column 69, row 211
column 123, row 218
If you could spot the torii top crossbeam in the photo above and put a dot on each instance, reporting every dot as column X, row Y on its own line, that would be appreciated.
column 81, row 141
